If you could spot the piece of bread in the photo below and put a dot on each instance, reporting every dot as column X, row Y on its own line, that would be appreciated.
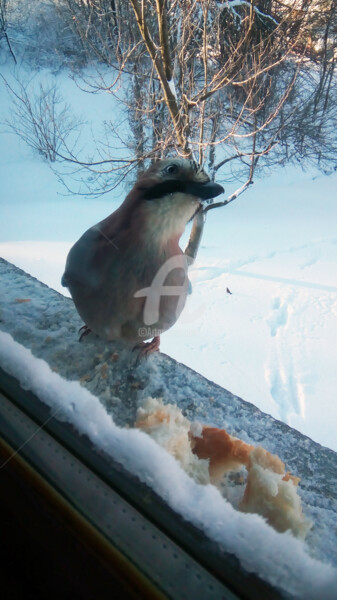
column 169, row 428
column 272, row 493
column 208, row 454
column 225, row 452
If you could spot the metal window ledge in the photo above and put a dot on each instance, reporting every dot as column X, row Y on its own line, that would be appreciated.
column 105, row 532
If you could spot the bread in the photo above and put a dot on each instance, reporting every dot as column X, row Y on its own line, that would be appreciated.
column 209, row 454
column 224, row 452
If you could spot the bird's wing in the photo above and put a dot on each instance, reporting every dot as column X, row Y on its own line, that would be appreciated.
column 89, row 259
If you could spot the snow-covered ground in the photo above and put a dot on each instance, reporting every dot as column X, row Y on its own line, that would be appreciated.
column 272, row 341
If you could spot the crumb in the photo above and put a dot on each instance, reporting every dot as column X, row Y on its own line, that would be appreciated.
column 85, row 378
column 104, row 370
column 137, row 385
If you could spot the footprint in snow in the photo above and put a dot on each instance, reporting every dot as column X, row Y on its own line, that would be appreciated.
column 279, row 316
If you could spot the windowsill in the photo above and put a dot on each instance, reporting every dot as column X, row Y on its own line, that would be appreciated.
column 46, row 322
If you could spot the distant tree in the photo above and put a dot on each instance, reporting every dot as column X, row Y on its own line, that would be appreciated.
column 4, row 26
column 36, row 33
column 41, row 118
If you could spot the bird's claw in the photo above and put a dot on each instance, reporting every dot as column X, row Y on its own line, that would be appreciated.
column 146, row 348
column 85, row 331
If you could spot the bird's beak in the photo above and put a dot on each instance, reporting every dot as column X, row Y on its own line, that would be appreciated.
column 204, row 191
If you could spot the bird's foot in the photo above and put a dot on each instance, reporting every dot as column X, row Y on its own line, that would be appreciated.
column 85, row 331
column 146, row 348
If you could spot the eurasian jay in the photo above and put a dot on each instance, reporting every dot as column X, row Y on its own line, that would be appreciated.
column 120, row 271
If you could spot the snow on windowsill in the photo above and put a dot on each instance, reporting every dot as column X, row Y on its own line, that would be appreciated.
column 38, row 345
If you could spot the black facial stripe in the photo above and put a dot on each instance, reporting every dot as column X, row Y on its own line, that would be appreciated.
column 162, row 189
column 195, row 166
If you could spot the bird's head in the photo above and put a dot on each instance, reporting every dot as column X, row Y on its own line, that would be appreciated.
column 170, row 192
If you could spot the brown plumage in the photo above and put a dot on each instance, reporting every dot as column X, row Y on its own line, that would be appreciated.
column 120, row 256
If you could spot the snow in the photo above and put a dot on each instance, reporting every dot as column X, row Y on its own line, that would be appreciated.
column 278, row 558
column 172, row 87
column 235, row 3
column 272, row 340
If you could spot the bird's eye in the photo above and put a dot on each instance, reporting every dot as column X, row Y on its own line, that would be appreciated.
column 171, row 169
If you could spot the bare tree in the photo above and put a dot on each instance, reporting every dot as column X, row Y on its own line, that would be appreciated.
column 41, row 118
column 213, row 76
column 240, row 86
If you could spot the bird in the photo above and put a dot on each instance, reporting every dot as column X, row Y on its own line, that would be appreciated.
column 127, row 275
